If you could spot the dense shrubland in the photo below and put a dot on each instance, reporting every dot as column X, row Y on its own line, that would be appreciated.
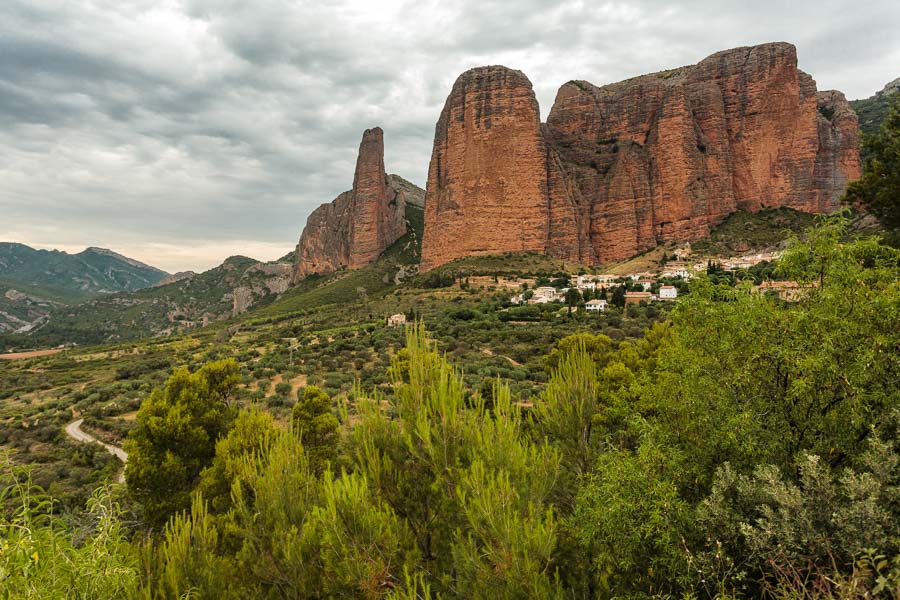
column 746, row 447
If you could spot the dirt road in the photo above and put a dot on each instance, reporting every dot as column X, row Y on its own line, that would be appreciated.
column 32, row 354
column 74, row 431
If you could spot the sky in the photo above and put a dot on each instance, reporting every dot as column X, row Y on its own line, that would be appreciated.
column 181, row 132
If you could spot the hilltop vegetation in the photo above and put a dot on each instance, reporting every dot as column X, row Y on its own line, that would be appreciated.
column 746, row 447
column 743, row 232
column 872, row 111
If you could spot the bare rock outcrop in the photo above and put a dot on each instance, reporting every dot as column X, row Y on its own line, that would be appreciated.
column 487, row 182
column 358, row 225
column 620, row 168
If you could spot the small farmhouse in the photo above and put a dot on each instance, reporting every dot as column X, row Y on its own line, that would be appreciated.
column 637, row 297
column 595, row 305
column 668, row 292
column 789, row 291
column 396, row 320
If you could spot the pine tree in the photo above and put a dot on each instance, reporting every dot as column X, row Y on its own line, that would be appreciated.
column 175, row 437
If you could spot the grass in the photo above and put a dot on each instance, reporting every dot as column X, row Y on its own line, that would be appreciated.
column 745, row 232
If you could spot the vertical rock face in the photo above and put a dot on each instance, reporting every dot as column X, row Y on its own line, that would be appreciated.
column 487, row 182
column 630, row 165
column 838, row 161
column 358, row 225
column 371, row 221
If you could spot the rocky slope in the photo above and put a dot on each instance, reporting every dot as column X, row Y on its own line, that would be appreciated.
column 621, row 168
column 873, row 110
column 487, row 181
column 361, row 223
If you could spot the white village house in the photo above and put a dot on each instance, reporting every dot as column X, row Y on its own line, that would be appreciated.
column 668, row 292
column 396, row 320
column 595, row 305
column 545, row 294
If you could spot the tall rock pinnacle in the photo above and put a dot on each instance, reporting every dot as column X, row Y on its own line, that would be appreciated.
column 358, row 225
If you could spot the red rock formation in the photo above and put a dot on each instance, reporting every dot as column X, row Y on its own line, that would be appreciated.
column 837, row 163
column 487, row 182
column 358, row 225
column 632, row 164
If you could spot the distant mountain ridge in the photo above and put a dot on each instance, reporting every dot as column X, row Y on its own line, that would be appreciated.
column 179, row 302
column 91, row 271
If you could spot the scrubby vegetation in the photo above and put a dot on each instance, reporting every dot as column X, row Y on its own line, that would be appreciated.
column 878, row 190
column 742, row 446
column 742, row 231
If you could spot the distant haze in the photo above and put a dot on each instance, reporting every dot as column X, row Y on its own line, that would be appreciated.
column 182, row 132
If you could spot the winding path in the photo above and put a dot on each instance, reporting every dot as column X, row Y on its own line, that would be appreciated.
column 74, row 431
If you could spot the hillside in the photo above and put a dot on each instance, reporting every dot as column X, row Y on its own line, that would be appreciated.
column 493, row 376
column 746, row 232
column 92, row 271
column 156, row 311
column 243, row 291
column 872, row 111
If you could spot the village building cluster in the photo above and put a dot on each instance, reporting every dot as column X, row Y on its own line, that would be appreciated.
column 655, row 286
column 593, row 284
column 641, row 287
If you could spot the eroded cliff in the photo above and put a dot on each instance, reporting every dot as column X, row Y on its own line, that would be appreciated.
column 355, row 228
column 620, row 168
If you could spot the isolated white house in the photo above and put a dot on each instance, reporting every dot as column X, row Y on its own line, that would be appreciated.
column 677, row 269
column 595, row 305
column 396, row 320
column 668, row 292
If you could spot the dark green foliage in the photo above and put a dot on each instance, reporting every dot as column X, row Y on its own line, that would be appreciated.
column 742, row 231
column 878, row 190
column 618, row 296
column 872, row 112
column 175, row 437
column 629, row 523
column 251, row 433
column 472, row 490
column 316, row 427
column 771, row 523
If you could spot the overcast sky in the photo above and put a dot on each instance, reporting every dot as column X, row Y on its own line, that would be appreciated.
column 182, row 132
